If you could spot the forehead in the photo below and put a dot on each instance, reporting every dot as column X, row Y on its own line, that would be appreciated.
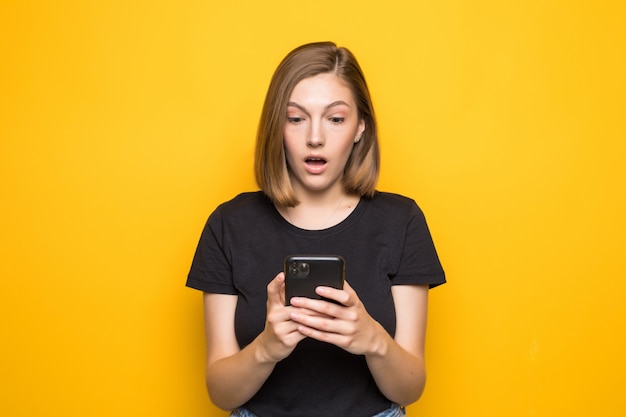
column 322, row 87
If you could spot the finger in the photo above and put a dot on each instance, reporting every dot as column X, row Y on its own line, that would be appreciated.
column 323, row 323
column 354, row 297
column 336, row 339
column 322, row 309
column 276, row 289
column 315, row 333
column 341, row 296
column 295, row 314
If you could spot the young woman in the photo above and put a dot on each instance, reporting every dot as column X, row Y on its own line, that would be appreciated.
column 317, row 164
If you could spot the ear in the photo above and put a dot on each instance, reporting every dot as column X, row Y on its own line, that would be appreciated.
column 361, row 128
column 359, row 131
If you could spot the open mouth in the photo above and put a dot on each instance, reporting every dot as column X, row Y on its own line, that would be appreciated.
column 315, row 165
column 315, row 161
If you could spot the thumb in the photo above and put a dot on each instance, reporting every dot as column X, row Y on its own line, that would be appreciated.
column 276, row 289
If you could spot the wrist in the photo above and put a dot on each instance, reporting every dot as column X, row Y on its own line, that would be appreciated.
column 380, row 342
column 261, row 354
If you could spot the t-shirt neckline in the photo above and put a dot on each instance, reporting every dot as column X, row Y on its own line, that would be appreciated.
column 342, row 225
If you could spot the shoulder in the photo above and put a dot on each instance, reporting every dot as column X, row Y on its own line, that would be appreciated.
column 394, row 204
column 393, row 209
column 244, row 208
column 244, row 201
column 392, row 198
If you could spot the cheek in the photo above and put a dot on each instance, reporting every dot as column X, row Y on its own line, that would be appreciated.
column 291, row 139
column 345, row 152
column 348, row 145
column 289, row 149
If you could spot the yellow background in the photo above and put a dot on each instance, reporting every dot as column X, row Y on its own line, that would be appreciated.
column 124, row 123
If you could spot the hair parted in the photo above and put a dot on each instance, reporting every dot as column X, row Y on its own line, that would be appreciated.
column 270, row 165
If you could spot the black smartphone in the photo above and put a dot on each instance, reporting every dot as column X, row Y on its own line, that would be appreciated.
column 303, row 273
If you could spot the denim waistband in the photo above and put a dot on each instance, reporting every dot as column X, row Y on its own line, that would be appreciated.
column 393, row 411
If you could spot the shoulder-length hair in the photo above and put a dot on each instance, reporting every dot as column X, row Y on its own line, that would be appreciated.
column 270, row 165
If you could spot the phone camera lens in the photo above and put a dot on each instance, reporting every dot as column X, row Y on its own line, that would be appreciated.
column 299, row 269
column 304, row 268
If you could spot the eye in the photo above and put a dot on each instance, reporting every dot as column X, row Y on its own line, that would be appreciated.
column 336, row 120
column 295, row 119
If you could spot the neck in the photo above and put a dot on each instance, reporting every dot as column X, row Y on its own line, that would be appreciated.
column 329, row 196
column 317, row 212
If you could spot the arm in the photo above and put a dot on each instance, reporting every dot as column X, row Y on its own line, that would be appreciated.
column 399, row 368
column 234, row 375
column 397, row 364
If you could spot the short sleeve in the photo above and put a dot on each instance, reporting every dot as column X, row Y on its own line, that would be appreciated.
column 211, row 268
column 419, row 262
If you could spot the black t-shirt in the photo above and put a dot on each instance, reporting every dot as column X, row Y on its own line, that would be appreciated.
column 385, row 241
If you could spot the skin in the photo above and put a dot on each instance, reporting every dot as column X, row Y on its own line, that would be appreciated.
column 322, row 125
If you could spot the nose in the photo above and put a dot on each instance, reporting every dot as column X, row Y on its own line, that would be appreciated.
column 316, row 136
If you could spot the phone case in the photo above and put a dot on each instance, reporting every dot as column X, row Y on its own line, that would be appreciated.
column 303, row 273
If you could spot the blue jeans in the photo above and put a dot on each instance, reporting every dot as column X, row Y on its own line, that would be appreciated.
column 393, row 411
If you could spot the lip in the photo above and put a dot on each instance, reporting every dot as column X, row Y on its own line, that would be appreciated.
column 315, row 164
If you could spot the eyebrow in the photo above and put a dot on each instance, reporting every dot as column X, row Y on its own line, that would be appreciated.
column 333, row 104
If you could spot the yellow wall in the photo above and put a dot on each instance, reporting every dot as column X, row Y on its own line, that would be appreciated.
column 124, row 123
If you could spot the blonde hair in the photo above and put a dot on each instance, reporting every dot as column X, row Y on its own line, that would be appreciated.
column 270, row 165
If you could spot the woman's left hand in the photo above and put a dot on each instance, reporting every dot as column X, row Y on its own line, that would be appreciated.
column 348, row 325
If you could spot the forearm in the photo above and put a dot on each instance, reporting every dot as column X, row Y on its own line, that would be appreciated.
column 234, row 375
column 233, row 380
column 400, row 375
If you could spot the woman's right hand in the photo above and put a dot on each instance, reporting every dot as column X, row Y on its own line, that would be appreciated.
column 281, row 335
column 234, row 375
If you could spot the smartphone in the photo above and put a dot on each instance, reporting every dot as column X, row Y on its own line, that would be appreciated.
column 304, row 273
